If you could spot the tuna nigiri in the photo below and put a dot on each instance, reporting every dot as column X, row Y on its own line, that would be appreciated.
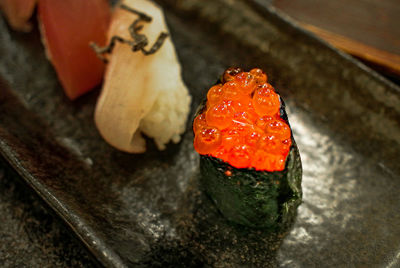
column 141, row 93
column 68, row 26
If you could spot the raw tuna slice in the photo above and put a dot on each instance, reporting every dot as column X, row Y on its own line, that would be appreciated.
column 68, row 26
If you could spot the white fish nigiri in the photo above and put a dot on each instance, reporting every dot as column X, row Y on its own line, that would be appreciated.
column 141, row 94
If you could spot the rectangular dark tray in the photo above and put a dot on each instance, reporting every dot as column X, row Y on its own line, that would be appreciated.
column 148, row 210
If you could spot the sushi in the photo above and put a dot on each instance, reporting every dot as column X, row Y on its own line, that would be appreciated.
column 66, row 32
column 249, row 162
column 143, row 92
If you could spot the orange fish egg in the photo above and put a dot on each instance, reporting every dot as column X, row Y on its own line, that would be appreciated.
column 221, row 153
column 214, row 95
column 275, row 162
column 207, row 140
column 243, row 104
column 242, row 118
column 266, row 161
column 270, row 144
column 278, row 128
column 230, row 74
column 220, row 115
column 240, row 156
column 230, row 91
column 262, row 122
column 199, row 122
column 259, row 75
column 260, row 160
column 253, row 137
column 286, row 145
column 266, row 101
column 231, row 137
column 247, row 83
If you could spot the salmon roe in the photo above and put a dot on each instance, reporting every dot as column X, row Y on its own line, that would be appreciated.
column 241, row 123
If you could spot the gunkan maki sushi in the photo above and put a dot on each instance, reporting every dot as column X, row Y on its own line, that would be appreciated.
column 249, row 162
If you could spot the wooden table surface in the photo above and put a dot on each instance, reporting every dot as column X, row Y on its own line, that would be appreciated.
column 367, row 29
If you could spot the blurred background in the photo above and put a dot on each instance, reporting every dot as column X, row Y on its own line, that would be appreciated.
column 367, row 29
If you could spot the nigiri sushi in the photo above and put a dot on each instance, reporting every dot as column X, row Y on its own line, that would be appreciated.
column 66, row 31
column 249, row 162
column 142, row 92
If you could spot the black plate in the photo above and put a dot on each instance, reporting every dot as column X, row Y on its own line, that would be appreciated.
column 148, row 210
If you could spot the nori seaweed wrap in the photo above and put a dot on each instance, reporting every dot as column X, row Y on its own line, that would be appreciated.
column 249, row 162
